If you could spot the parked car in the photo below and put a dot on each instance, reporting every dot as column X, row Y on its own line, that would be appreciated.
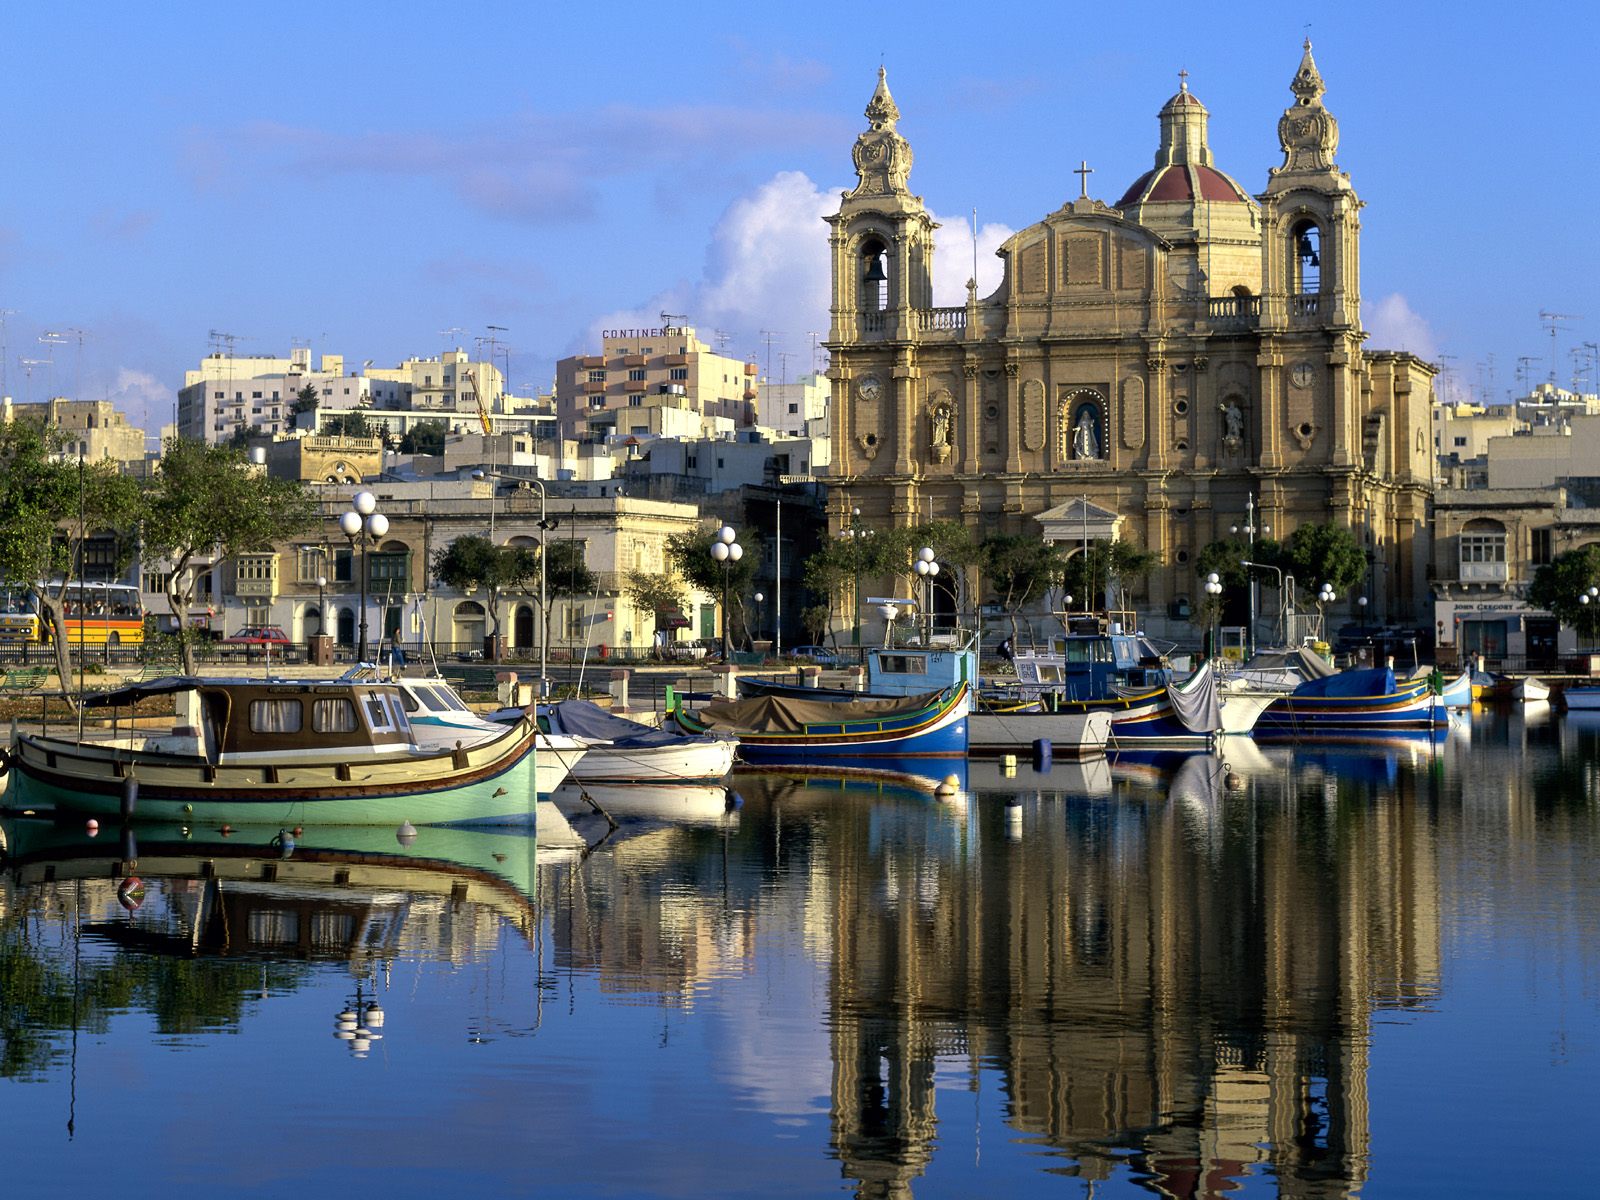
column 258, row 635
column 820, row 655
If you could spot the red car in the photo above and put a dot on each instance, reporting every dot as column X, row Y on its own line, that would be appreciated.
column 258, row 635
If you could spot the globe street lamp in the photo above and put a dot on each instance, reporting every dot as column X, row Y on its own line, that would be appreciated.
column 1213, row 590
column 1324, row 597
column 363, row 521
column 927, row 568
column 759, row 599
column 322, row 606
column 727, row 552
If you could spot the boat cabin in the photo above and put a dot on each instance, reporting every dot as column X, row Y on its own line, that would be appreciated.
column 220, row 719
column 1095, row 658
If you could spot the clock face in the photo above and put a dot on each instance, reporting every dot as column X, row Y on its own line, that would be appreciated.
column 870, row 388
column 1302, row 374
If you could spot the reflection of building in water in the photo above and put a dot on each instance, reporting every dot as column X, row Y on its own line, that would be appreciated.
column 652, row 914
column 1189, row 989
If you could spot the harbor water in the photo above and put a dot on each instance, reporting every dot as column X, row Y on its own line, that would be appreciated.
column 1342, row 970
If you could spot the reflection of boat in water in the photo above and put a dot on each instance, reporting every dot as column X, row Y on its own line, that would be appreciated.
column 322, row 894
column 1075, row 779
column 682, row 804
column 278, row 752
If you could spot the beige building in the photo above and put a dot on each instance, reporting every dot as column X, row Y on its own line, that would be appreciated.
column 640, row 368
column 93, row 429
column 1174, row 357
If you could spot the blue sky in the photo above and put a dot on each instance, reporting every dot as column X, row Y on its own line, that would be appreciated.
column 362, row 177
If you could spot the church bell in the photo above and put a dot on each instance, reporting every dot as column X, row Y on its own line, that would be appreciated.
column 875, row 273
column 1308, row 252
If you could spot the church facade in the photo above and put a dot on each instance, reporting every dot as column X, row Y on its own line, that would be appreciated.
column 1153, row 370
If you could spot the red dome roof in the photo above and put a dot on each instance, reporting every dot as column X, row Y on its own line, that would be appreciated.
column 1180, row 182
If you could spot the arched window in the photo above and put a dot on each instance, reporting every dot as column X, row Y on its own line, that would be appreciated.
column 1305, row 252
column 522, row 627
column 874, row 276
column 347, row 627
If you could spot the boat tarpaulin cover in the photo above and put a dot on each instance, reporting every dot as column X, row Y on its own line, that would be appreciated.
column 1196, row 703
column 1370, row 681
column 785, row 714
column 580, row 718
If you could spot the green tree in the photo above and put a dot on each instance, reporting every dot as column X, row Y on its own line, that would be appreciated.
column 656, row 594
column 567, row 575
column 1019, row 569
column 207, row 504
column 352, row 424
column 689, row 554
column 305, row 400
column 1318, row 554
column 842, row 565
column 472, row 562
column 425, row 437
column 53, row 506
column 1557, row 586
column 1107, row 567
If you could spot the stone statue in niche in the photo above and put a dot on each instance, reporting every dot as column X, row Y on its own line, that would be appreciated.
column 1085, row 435
column 1232, row 425
column 939, row 419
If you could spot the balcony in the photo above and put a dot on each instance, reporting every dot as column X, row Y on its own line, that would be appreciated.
column 942, row 320
column 1484, row 572
column 1305, row 306
column 594, row 388
column 1234, row 312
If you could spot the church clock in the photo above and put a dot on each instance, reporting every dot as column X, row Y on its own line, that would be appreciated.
column 1301, row 374
column 870, row 388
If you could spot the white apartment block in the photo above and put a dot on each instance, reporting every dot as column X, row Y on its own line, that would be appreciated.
column 792, row 407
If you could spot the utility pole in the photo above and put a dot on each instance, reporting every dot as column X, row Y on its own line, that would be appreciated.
column 770, row 336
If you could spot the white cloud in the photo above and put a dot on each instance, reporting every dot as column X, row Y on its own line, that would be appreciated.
column 767, row 268
column 147, row 401
column 1395, row 325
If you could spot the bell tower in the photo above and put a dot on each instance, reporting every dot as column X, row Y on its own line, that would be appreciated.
column 1311, row 230
column 882, row 237
column 882, row 245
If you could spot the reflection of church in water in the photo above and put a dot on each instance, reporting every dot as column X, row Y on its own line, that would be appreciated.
column 1173, row 357
column 1157, row 996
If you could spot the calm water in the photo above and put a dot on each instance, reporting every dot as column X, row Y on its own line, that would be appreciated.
column 1338, row 973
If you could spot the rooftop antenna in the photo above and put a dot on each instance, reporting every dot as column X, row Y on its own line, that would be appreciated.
column 28, row 364
column 771, row 336
column 1447, row 375
column 64, row 337
column 783, row 364
column 222, row 341
column 1525, row 373
column 1554, row 322
column 449, row 335
column 667, row 320
column 813, row 335
column 721, row 337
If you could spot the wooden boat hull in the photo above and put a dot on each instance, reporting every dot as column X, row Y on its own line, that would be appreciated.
column 1413, row 708
column 492, row 782
column 936, row 730
column 1071, row 734
column 1530, row 689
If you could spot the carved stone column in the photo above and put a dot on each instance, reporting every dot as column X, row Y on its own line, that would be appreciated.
column 971, row 404
column 1012, row 414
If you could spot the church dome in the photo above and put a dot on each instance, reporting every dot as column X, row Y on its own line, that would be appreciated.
column 1183, row 172
column 1182, row 182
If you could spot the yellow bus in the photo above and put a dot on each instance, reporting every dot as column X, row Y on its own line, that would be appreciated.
column 98, row 614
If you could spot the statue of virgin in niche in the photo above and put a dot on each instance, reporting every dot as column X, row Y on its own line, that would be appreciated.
column 1085, row 434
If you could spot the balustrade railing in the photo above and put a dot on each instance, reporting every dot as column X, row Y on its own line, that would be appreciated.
column 1305, row 306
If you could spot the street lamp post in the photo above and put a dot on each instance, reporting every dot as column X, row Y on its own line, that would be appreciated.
column 759, row 599
column 1213, row 591
column 363, row 521
column 850, row 531
column 1589, row 599
column 727, row 552
column 927, row 568
column 322, row 605
column 1324, row 597
column 1249, row 530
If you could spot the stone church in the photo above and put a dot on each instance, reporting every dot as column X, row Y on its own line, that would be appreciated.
column 1158, row 370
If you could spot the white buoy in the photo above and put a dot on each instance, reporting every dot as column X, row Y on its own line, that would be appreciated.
column 92, row 827
column 948, row 786
column 1014, row 820
column 406, row 834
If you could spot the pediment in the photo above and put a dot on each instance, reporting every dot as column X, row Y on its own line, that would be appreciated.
column 1079, row 519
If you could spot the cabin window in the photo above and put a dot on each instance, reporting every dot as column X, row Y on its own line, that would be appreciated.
column 378, row 715
column 410, row 700
column 337, row 715
column 903, row 664
column 274, row 716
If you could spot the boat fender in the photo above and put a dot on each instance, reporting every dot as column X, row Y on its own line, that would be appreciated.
column 948, row 786
column 1042, row 754
column 92, row 827
column 128, row 845
column 284, row 843
column 130, row 796
column 406, row 834
column 130, row 893
column 1013, row 819
column 733, row 802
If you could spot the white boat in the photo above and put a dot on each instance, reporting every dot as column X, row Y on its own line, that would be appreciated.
column 1242, row 706
column 1530, row 689
column 441, row 720
column 1070, row 734
column 624, row 751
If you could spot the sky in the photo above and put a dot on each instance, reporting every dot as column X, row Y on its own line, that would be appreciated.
column 389, row 180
